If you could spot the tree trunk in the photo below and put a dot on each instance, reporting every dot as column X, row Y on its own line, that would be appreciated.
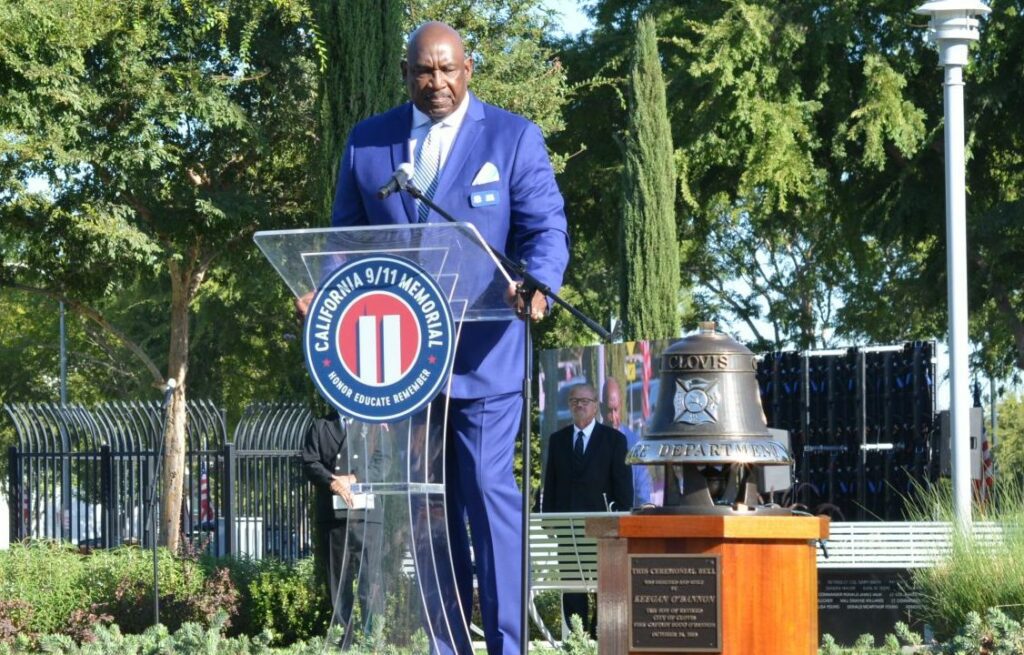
column 182, row 289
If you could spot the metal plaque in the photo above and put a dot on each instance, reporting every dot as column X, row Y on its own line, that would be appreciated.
column 853, row 602
column 675, row 603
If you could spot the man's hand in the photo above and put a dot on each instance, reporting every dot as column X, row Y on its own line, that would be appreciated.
column 302, row 305
column 538, row 303
column 341, row 485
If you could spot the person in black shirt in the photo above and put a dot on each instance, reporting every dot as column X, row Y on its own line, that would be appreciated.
column 334, row 461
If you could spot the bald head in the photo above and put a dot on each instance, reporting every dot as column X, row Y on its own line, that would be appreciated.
column 433, row 32
column 436, row 69
column 612, row 403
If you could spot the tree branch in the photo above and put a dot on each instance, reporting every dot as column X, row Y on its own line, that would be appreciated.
column 95, row 316
column 740, row 311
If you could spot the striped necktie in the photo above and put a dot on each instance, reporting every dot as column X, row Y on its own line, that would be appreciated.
column 428, row 168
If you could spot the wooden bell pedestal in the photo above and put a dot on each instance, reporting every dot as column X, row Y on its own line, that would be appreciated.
column 764, row 567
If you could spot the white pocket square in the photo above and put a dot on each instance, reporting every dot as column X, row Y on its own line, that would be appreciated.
column 488, row 173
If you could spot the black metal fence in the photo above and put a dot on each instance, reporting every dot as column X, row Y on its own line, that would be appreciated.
column 86, row 475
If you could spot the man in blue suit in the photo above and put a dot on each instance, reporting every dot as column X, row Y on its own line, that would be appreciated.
column 488, row 167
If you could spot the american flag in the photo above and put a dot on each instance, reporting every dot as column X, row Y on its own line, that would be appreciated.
column 987, row 473
column 645, row 352
column 205, row 509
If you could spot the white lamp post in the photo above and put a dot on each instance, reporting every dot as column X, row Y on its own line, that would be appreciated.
column 952, row 27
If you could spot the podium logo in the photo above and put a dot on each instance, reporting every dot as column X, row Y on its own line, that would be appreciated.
column 379, row 339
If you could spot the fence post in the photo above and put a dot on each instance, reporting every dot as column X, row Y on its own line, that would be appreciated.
column 107, row 501
column 228, row 498
column 861, row 420
column 15, row 495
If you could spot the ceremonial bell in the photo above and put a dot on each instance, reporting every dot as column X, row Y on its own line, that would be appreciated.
column 708, row 429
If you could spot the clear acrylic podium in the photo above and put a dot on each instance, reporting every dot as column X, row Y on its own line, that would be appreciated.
column 403, row 577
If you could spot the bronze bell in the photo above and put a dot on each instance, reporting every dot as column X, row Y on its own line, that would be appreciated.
column 708, row 429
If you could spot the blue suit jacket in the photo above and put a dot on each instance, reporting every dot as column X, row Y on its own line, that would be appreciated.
column 526, row 223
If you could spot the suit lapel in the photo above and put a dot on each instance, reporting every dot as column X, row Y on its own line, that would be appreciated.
column 338, row 433
column 592, row 446
column 400, row 154
column 469, row 132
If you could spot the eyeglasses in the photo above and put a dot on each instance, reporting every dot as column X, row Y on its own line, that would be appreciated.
column 581, row 401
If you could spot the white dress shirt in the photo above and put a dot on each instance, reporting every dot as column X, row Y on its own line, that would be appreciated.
column 450, row 124
column 587, row 430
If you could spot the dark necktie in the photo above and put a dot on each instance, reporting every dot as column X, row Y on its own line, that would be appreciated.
column 577, row 450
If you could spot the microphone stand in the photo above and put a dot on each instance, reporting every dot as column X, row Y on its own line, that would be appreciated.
column 525, row 290
column 154, row 527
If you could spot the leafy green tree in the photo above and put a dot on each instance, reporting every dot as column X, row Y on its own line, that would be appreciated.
column 650, row 271
column 785, row 110
column 362, row 45
column 168, row 133
column 598, row 66
column 810, row 162
column 1009, row 449
column 995, row 175
column 165, row 133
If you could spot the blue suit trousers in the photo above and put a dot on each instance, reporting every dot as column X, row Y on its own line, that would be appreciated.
column 480, row 487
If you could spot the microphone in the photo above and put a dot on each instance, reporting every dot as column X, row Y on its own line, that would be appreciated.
column 169, row 388
column 397, row 182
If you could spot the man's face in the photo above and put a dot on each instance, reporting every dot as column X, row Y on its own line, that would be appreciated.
column 612, row 408
column 583, row 405
column 437, row 73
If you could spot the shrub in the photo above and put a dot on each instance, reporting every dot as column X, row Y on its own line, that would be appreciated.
column 15, row 619
column 276, row 596
column 284, row 599
column 48, row 579
column 980, row 572
column 56, row 581
column 549, row 608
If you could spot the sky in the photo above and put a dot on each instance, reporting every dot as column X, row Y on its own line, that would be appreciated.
column 573, row 19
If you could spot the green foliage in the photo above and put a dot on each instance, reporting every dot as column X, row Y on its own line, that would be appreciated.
column 256, row 597
column 996, row 634
column 362, row 45
column 808, row 151
column 578, row 642
column 988, row 633
column 774, row 105
column 650, row 271
column 281, row 598
column 117, row 581
column 980, row 571
column 176, row 131
column 1009, row 450
column 549, row 608
column 893, row 644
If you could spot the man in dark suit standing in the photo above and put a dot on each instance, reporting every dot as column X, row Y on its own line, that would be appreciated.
column 333, row 463
column 489, row 168
column 586, row 472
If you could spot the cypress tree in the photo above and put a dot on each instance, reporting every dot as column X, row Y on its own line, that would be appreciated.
column 361, row 47
column 649, row 284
